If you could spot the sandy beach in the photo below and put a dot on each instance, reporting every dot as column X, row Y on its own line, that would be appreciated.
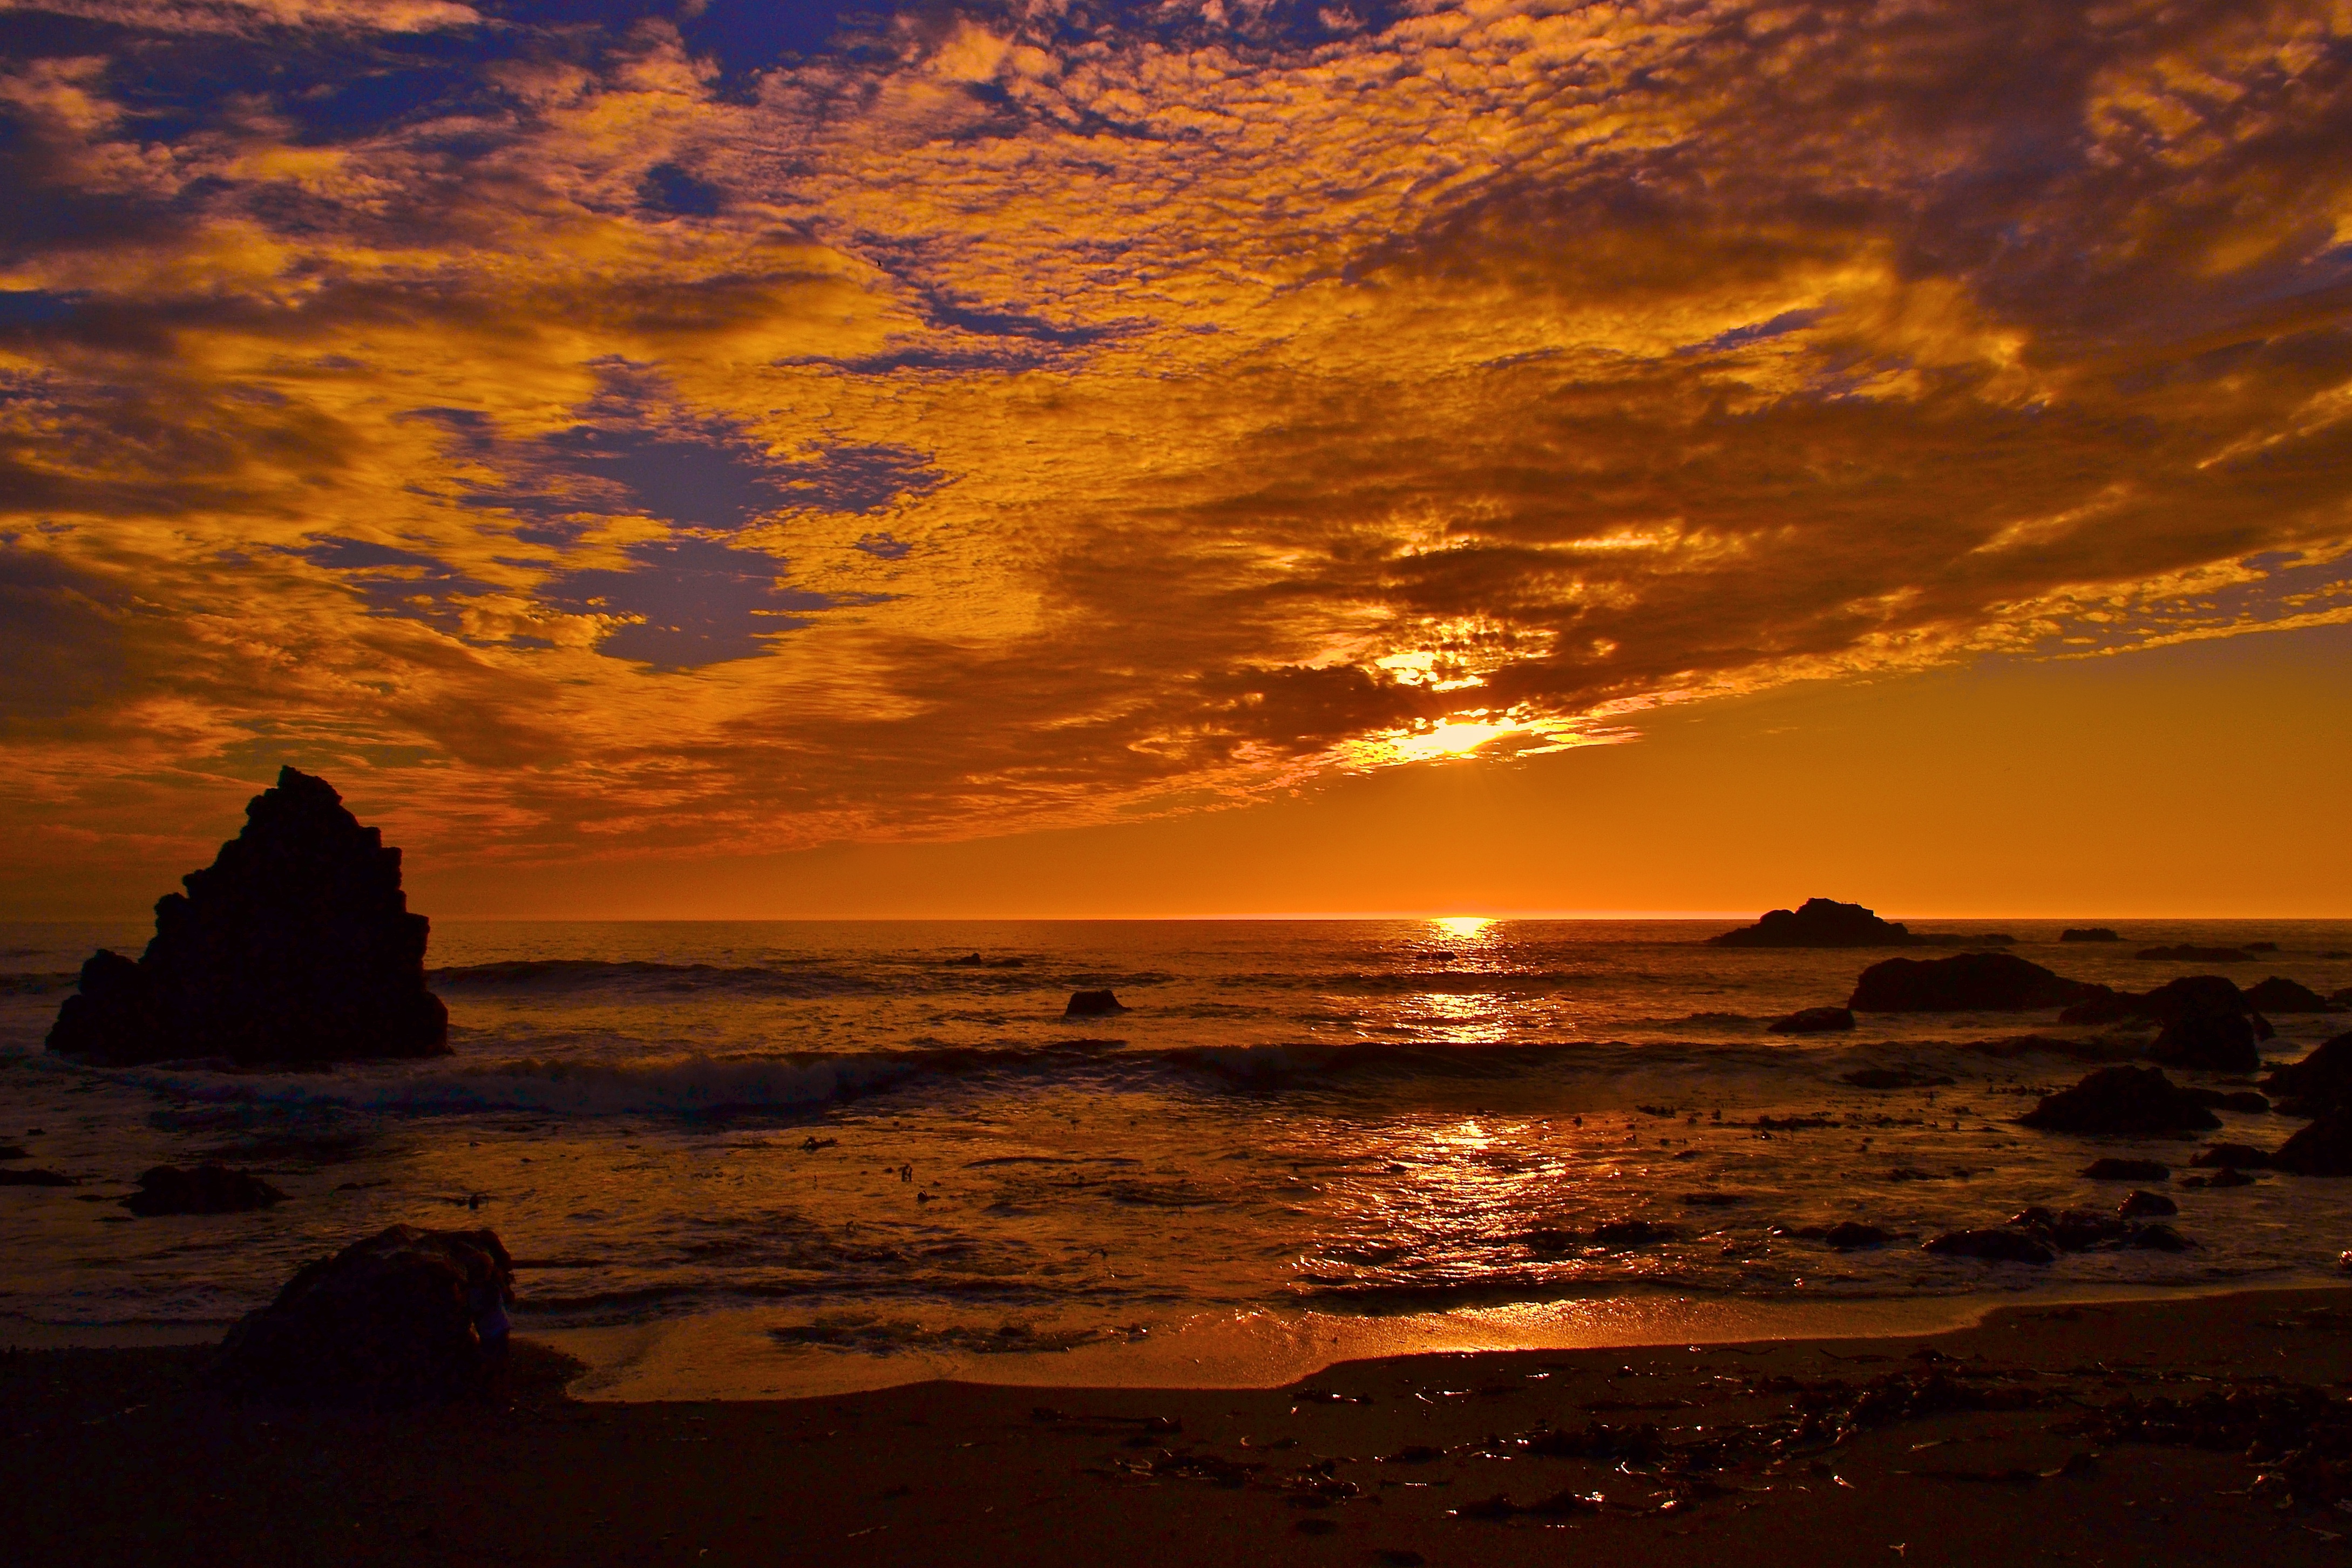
column 2018, row 1439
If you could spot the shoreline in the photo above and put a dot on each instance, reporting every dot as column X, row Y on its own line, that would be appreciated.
column 1997, row 1441
column 729, row 1356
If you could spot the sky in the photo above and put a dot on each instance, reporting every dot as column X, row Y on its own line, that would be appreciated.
column 721, row 458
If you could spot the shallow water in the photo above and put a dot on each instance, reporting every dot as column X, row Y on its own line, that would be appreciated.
column 805, row 1155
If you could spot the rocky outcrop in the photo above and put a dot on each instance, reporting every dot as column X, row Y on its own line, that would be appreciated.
column 406, row 1317
column 2134, row 1100
column 2089, row 934
column 207, row 1189
column 2207, row 1025
column 1092, row 1005
column 295, row 946
column 1819, row 923
column 2320, row 1082
column 2139, row 1205
column 2280, row 995
column 1813, row 1020
column 1966, row 982
column 2322, row 1149
column 2230, row 1158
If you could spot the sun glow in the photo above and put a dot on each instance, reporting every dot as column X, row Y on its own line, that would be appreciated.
column 1463, row 925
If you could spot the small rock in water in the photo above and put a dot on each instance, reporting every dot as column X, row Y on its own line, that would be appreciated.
column 35, row 1178
column 2320, row 1082
column 1852, row 1235
column 2121, row 1099
column 2089, row 934
column 2279, row 994
column 207, row 1189
column 1092, row 1004
column 1813, row 1020
column 2231, row 1156
column 2113, row 1169
column 1998, row 1244
column 2207, row 1024
column 11, row 1152
column 1632, row 1233
column 2138, row 1204
column 1966, row 982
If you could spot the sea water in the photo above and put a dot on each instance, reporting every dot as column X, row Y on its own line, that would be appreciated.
column 795, row 1157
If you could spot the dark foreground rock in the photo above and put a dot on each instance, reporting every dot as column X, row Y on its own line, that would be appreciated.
column 406, row 1317
column 2319, row 1083
column 296, row 946
column 1966, row 982
column 1814, row 1020
column 2089, row 934
column 2281, row 994
column 36, row 1178
column 2133, row 1100
column 207, row 1189
column 2322, row 1149
column 1092, row 1005
column 1819, row 923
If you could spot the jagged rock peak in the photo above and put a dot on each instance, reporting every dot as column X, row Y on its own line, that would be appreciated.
column 294, row 945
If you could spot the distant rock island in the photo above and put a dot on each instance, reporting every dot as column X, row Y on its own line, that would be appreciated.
column 1826, row 923
column 295, row 946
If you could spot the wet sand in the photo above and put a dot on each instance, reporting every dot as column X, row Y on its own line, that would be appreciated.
column 1986, row 1444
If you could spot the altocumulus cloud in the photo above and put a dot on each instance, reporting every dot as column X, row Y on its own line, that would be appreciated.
column 726, row 425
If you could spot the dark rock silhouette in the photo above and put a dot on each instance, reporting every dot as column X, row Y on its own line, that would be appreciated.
column 1092, row 1004
column 2189, row 953
column 2322, row 1149
column 1852, row 1235
column 968, row 961
column 2319, row 1083
column 2280, row 995
column 2121, row 1099
column 406, row 1317
column 207, row 1189
column 2207, row 1024
column 35, row 1178
column 2089, row 934
column 1966, row 982
column 2113, row 1169
column 2139, row 1205
column 294, row 946
column 1820, row 922
column 1998, row 1244
column 1814, row 1020
column 2231, row 1157
column 2261, row 946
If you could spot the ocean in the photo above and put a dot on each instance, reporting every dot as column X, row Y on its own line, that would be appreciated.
column 798, row 1157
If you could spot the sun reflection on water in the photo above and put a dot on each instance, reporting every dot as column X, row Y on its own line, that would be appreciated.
column 1463, row 925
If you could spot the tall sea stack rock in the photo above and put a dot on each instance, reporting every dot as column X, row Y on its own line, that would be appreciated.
column 295, row 946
